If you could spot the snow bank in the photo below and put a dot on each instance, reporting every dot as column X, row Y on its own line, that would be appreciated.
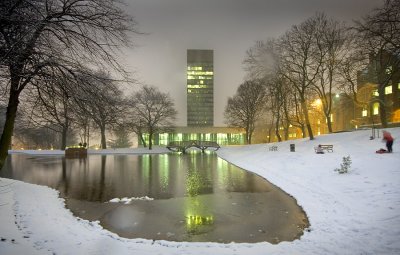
column 353, row 213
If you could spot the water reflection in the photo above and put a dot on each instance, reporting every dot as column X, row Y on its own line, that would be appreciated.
column 198, row 197
column 101, row 177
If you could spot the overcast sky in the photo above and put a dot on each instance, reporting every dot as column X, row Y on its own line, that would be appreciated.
column 229, row 27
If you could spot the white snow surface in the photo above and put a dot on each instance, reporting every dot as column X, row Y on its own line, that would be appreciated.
column 353, row 213
column 129, row 200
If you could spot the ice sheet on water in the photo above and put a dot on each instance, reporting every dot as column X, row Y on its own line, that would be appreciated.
column 127, row 200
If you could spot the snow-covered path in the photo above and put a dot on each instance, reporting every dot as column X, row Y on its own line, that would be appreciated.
column 353, row 213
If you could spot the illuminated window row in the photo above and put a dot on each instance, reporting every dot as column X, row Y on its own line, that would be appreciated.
column 388, row 91
column 200, row 91
column 200, row 73
column 195, row 68
column 375, row 110
column 191, row 77
column 191, row 86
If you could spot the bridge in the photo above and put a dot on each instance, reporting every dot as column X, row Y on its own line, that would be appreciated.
column 182, row 146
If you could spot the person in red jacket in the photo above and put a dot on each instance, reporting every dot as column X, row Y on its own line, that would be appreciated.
column 389, row 140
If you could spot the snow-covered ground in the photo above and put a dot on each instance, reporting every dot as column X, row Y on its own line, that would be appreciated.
column 353, row 213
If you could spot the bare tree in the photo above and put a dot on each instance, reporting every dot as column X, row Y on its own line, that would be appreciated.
column 138, row 126
column 52, row 105
column 380, row 38
column 332, row 49
column 246, row 107
column 302, row 59
column 154, row 110
column 35, row 35
column 263, row 62
column 100, row 100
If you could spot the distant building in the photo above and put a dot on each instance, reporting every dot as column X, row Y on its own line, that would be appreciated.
column 368, row 91
column 200, row 88
column 200, row 106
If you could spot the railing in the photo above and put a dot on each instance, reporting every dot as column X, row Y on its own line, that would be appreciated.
column 182, row 146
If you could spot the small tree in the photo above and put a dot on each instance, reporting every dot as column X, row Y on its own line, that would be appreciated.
column 122, row 138
column 344, row 166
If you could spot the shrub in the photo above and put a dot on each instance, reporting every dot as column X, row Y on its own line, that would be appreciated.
column 345, row 166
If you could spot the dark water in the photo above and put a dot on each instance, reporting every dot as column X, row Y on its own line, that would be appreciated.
column 197, row 197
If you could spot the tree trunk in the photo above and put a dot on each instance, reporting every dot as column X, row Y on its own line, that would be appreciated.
column 251, row 131
column 329, row 122
column 88, row 137
column 303, row 131
column 140, row 134
column 278, row 119
column 150, row 140
column 64, row 137
column 247, row 131
column 5, row 141
column 103, row 137
column 286, row 131
column 269, row 133
column 382, row 107
column 307, row 119
column 278, row 135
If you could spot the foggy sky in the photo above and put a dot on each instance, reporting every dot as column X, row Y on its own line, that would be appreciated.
column 229, row 27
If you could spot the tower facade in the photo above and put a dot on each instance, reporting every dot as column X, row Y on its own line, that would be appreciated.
column 200, row 88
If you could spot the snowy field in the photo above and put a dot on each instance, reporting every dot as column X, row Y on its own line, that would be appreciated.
column 353, row 213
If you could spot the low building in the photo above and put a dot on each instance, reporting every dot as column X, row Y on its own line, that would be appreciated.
column 220, row 135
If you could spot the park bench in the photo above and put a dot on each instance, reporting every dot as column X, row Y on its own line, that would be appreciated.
column 325, row 147
column 273, row 148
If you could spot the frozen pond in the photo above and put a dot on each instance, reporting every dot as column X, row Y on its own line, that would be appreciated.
column 195, row 197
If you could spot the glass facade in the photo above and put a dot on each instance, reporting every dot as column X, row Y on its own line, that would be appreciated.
column 220, row 135
column 200, row 88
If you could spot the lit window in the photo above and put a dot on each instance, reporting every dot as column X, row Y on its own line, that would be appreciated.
column 376, row 108
column 388, row 90
column 331, row 116
column 375, row 93
column 364, row 113
column 398, row 85
column 194, row 68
